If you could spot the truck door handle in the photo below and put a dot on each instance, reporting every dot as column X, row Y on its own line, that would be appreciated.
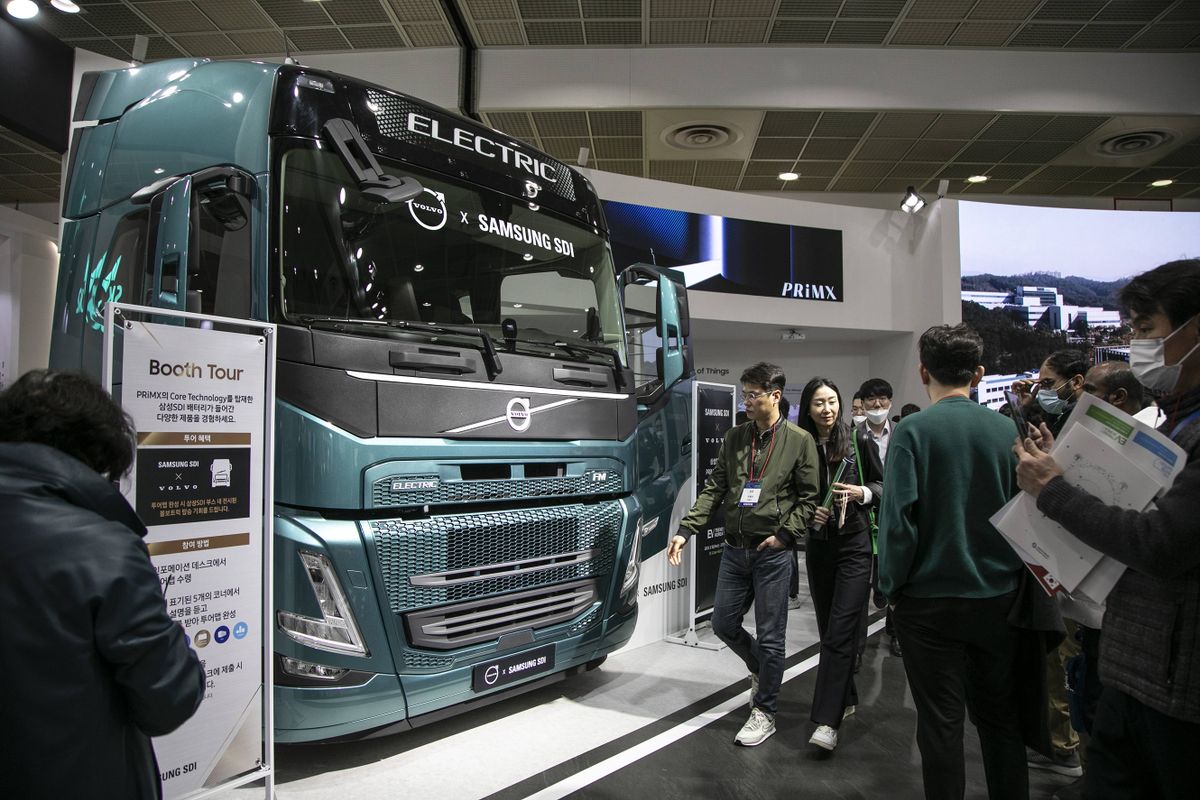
column 424, row 360
column 578, row 376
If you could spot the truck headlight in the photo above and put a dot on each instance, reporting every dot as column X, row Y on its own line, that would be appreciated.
column 336, row 630
column 634, row 565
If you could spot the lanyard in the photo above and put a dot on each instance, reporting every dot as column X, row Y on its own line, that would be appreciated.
column 1183, row 423
column 770, row 447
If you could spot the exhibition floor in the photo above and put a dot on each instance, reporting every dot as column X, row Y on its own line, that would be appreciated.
column 657, row 721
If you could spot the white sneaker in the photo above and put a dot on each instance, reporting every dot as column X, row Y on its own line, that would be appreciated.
column 849, row 711
column 824, row 737
column 757, row 729
column 795, row 602
column 753, row 689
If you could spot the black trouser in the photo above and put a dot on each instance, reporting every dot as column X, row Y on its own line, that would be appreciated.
column 962, row 652
column 839, row 580
column 1138, row 753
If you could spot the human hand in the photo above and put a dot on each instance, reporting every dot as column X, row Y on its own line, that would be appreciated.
column 821, row 516
column 675, row 550
column 771, row 542
column 1035, row 468
column 853, row 492
column 1042, row 437
column 1023, row 387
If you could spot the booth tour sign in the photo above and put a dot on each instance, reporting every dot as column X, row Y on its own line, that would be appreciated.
column 201, row 402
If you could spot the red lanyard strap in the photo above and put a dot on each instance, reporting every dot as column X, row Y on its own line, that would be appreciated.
column 767, row 460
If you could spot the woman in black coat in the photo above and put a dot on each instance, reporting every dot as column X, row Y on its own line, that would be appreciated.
column 838, row 551
column 92, row 665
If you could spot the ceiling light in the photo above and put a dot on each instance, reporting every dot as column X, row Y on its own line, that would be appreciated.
column 977, row 179
column 912, row 202
column 22, row 9
column 65, row 6
column 1162, row 183
column 788, row 176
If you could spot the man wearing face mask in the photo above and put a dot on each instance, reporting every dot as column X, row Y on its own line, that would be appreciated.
column 876, row 395
column 858, row 414
column 1058, row 387
column 1146, row 729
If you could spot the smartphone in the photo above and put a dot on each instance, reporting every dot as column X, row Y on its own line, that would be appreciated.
column 1018, row 414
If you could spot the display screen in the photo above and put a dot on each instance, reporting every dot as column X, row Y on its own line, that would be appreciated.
column 725, row 254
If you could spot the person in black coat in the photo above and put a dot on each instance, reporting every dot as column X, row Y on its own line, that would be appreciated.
column 838, row 551
column 92, row 665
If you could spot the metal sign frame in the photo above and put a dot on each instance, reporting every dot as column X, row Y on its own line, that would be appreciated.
column 120, row 314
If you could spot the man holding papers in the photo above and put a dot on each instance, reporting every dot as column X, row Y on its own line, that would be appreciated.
column 1146, row 731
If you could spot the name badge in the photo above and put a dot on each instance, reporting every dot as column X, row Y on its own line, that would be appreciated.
column 750, row 493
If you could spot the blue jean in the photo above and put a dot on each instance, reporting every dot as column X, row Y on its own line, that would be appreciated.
column 761, row 576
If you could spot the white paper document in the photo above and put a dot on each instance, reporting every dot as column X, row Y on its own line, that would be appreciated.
column 1110, row 455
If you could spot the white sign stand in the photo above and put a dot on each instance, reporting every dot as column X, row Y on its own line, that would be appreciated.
column 689, row 637
column 201, row 392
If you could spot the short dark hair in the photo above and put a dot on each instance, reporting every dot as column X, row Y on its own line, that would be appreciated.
column 951, row 354
column 1118, row 375
column 909, row 408
column 784, row 405
column 1068, row 363
column 769, row 376
column 71, row 413
column 856, row 396
column 875, row 387
column 1173, row 288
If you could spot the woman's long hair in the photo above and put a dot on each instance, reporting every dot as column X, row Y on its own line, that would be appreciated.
column 839, row 438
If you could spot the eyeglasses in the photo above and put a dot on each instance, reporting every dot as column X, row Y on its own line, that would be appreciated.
column 1048, row 383
column 751, row 396
column 877, row 402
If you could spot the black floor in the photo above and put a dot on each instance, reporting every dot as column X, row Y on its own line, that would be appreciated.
column 876, row 755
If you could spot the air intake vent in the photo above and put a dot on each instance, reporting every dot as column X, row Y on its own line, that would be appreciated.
column 1133, row 143
column 701, row 135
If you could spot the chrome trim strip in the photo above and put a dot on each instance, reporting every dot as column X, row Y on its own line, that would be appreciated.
column 489, row 571
column 491, row 387
column 497, row 420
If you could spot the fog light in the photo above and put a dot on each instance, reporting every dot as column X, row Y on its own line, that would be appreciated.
column 307, row 669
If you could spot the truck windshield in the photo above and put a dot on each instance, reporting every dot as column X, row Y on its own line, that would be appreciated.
column 455, row 255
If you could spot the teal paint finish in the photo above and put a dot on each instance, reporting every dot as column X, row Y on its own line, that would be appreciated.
column 116, row 90
column 85, row 185
column 664, row 448
column 215, row 114
column 319, row 465
column 260, row 259
column 171, row 248
column 308, row 714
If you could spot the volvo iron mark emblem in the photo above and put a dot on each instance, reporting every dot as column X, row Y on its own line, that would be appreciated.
column 517, row 414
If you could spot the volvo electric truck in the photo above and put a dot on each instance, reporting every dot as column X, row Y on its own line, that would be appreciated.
column 482, row 425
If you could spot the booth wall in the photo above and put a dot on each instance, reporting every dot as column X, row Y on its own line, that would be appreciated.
column 28, row 273
column 900, row 275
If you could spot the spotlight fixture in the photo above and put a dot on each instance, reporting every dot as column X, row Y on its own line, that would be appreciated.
column 977, row 179
column 912, row 202
column 65, row 6
column 1161, row 183
column 788, row 176
column 22, row 9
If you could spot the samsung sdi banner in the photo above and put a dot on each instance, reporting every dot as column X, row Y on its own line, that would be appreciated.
column 201, row 402
column 725, row 254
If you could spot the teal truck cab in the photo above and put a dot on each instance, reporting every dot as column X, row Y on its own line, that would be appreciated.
column 481, row 425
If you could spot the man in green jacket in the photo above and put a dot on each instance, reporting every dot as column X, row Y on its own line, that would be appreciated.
column 765, row 485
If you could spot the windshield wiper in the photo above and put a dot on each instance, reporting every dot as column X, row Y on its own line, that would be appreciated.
column 491, row 359
column 576, row 349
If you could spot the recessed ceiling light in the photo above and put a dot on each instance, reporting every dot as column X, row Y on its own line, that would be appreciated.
column 65, row 6
column 22, row 9
column 788, row 176
column 1162, row 183
column 977, row 179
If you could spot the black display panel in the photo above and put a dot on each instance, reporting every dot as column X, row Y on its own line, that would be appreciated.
column 725, row 254
column 38, row 71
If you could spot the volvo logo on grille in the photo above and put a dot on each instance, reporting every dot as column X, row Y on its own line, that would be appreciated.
column 401, row 485
column 517, row 413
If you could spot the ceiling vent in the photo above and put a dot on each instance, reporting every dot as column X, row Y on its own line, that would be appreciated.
column 1133, row 143
column 701, row 135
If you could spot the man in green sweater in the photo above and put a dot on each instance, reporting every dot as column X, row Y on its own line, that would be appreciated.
column 765, row 485
column 949, row 575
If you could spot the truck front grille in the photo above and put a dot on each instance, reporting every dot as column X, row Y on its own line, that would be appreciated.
column 476, row 621
column 428, row 490
column 454, row 559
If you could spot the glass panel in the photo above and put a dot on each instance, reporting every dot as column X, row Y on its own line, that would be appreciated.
column 456, row 255
column 219, row 268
